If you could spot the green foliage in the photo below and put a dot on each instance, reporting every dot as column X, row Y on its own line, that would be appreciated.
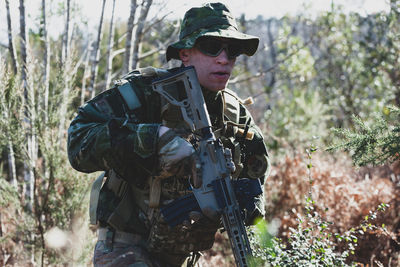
column 8, row 194
column 350, row 61
column 309, row 245
column 344, row 73
column 60, row 196
column 377, row 142
column 313, row 242
column 298, row 111
column 11, row 99
column 296, row 120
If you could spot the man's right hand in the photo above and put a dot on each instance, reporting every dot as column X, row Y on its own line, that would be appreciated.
column 174, row 151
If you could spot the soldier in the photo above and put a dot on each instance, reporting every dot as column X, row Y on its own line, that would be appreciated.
column 131, row 134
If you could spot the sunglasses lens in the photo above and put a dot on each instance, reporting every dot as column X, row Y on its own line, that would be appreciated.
column 210, row 47
column 234, row 50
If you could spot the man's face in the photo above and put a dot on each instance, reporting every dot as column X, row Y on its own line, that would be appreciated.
column 213, row 72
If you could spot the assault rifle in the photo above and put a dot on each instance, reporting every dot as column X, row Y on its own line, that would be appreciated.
column 212, row 184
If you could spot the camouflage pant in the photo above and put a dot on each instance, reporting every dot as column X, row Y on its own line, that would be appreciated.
column 124, row 255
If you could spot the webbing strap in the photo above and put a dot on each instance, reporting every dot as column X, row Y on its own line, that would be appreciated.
column 231, row 104
column 119, row 236
column 236, row 160
column 116, row 184
column 150, row 71
column 129, row 96
column 231, row 107
column 94, row 198
column 141, row 198
column 122, row 213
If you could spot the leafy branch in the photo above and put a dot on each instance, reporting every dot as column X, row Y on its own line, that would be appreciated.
column 372, row 144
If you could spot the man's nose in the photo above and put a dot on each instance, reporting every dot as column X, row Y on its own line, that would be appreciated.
column 222, row 58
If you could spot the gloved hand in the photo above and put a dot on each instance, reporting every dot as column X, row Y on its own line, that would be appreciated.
column 175, row 153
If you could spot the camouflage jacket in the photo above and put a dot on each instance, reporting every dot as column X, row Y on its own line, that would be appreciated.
column 107, row 135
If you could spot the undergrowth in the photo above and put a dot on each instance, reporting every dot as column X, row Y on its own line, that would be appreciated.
column 323, row 212
column 313, row 241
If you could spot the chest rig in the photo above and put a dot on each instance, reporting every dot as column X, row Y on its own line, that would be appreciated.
column 138, row 208
column 224, row 110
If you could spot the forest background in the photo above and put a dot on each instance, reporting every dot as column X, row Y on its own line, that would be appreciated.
column 319, row 81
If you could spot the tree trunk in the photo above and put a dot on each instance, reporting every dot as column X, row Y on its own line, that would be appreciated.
column 11, row 164
column 29, row 107
column 95, row 55
column 128, row 41
column 11, row 48
column 29, row 117
column 28, row 172
column 11, row 157
column 109, row 58
column 65, row 67
column 272, row 53
column 23, row 45
column 246, row 69
column 144, row 10
column 12, row 171
column 86, row 72
column 46, row 62
column 65, row 43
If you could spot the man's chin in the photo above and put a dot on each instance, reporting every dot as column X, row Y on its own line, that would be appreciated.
column 214, row 86
column 217, row 88
column 220, row 86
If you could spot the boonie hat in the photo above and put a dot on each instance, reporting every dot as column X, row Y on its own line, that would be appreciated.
column 212, row 19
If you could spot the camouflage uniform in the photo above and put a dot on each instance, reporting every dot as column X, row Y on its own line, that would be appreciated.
column 114, row 134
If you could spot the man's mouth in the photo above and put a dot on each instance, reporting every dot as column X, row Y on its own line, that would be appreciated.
column 221, row 74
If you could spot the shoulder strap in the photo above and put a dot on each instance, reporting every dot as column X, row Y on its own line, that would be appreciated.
column 94, row 198
column 128, row 92
column 129, row 96
column 150, row 71
column 231, row 106
column 248, row 101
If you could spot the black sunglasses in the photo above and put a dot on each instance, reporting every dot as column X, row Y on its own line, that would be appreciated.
column 213, row 47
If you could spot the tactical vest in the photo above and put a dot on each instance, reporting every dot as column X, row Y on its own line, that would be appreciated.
column 140, row 205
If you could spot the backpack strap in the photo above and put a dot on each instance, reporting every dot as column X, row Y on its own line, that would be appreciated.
column 231, row 105
column 129, row 96
column 150, row 72
column 122, row 213
column 128, row 93
column 94, row 198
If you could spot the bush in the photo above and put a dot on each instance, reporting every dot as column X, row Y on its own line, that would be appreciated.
column 344, row 197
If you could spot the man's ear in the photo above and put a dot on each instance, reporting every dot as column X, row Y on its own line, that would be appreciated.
column 184, row 55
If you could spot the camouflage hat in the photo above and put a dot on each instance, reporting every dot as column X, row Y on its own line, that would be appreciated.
column 212, row 19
